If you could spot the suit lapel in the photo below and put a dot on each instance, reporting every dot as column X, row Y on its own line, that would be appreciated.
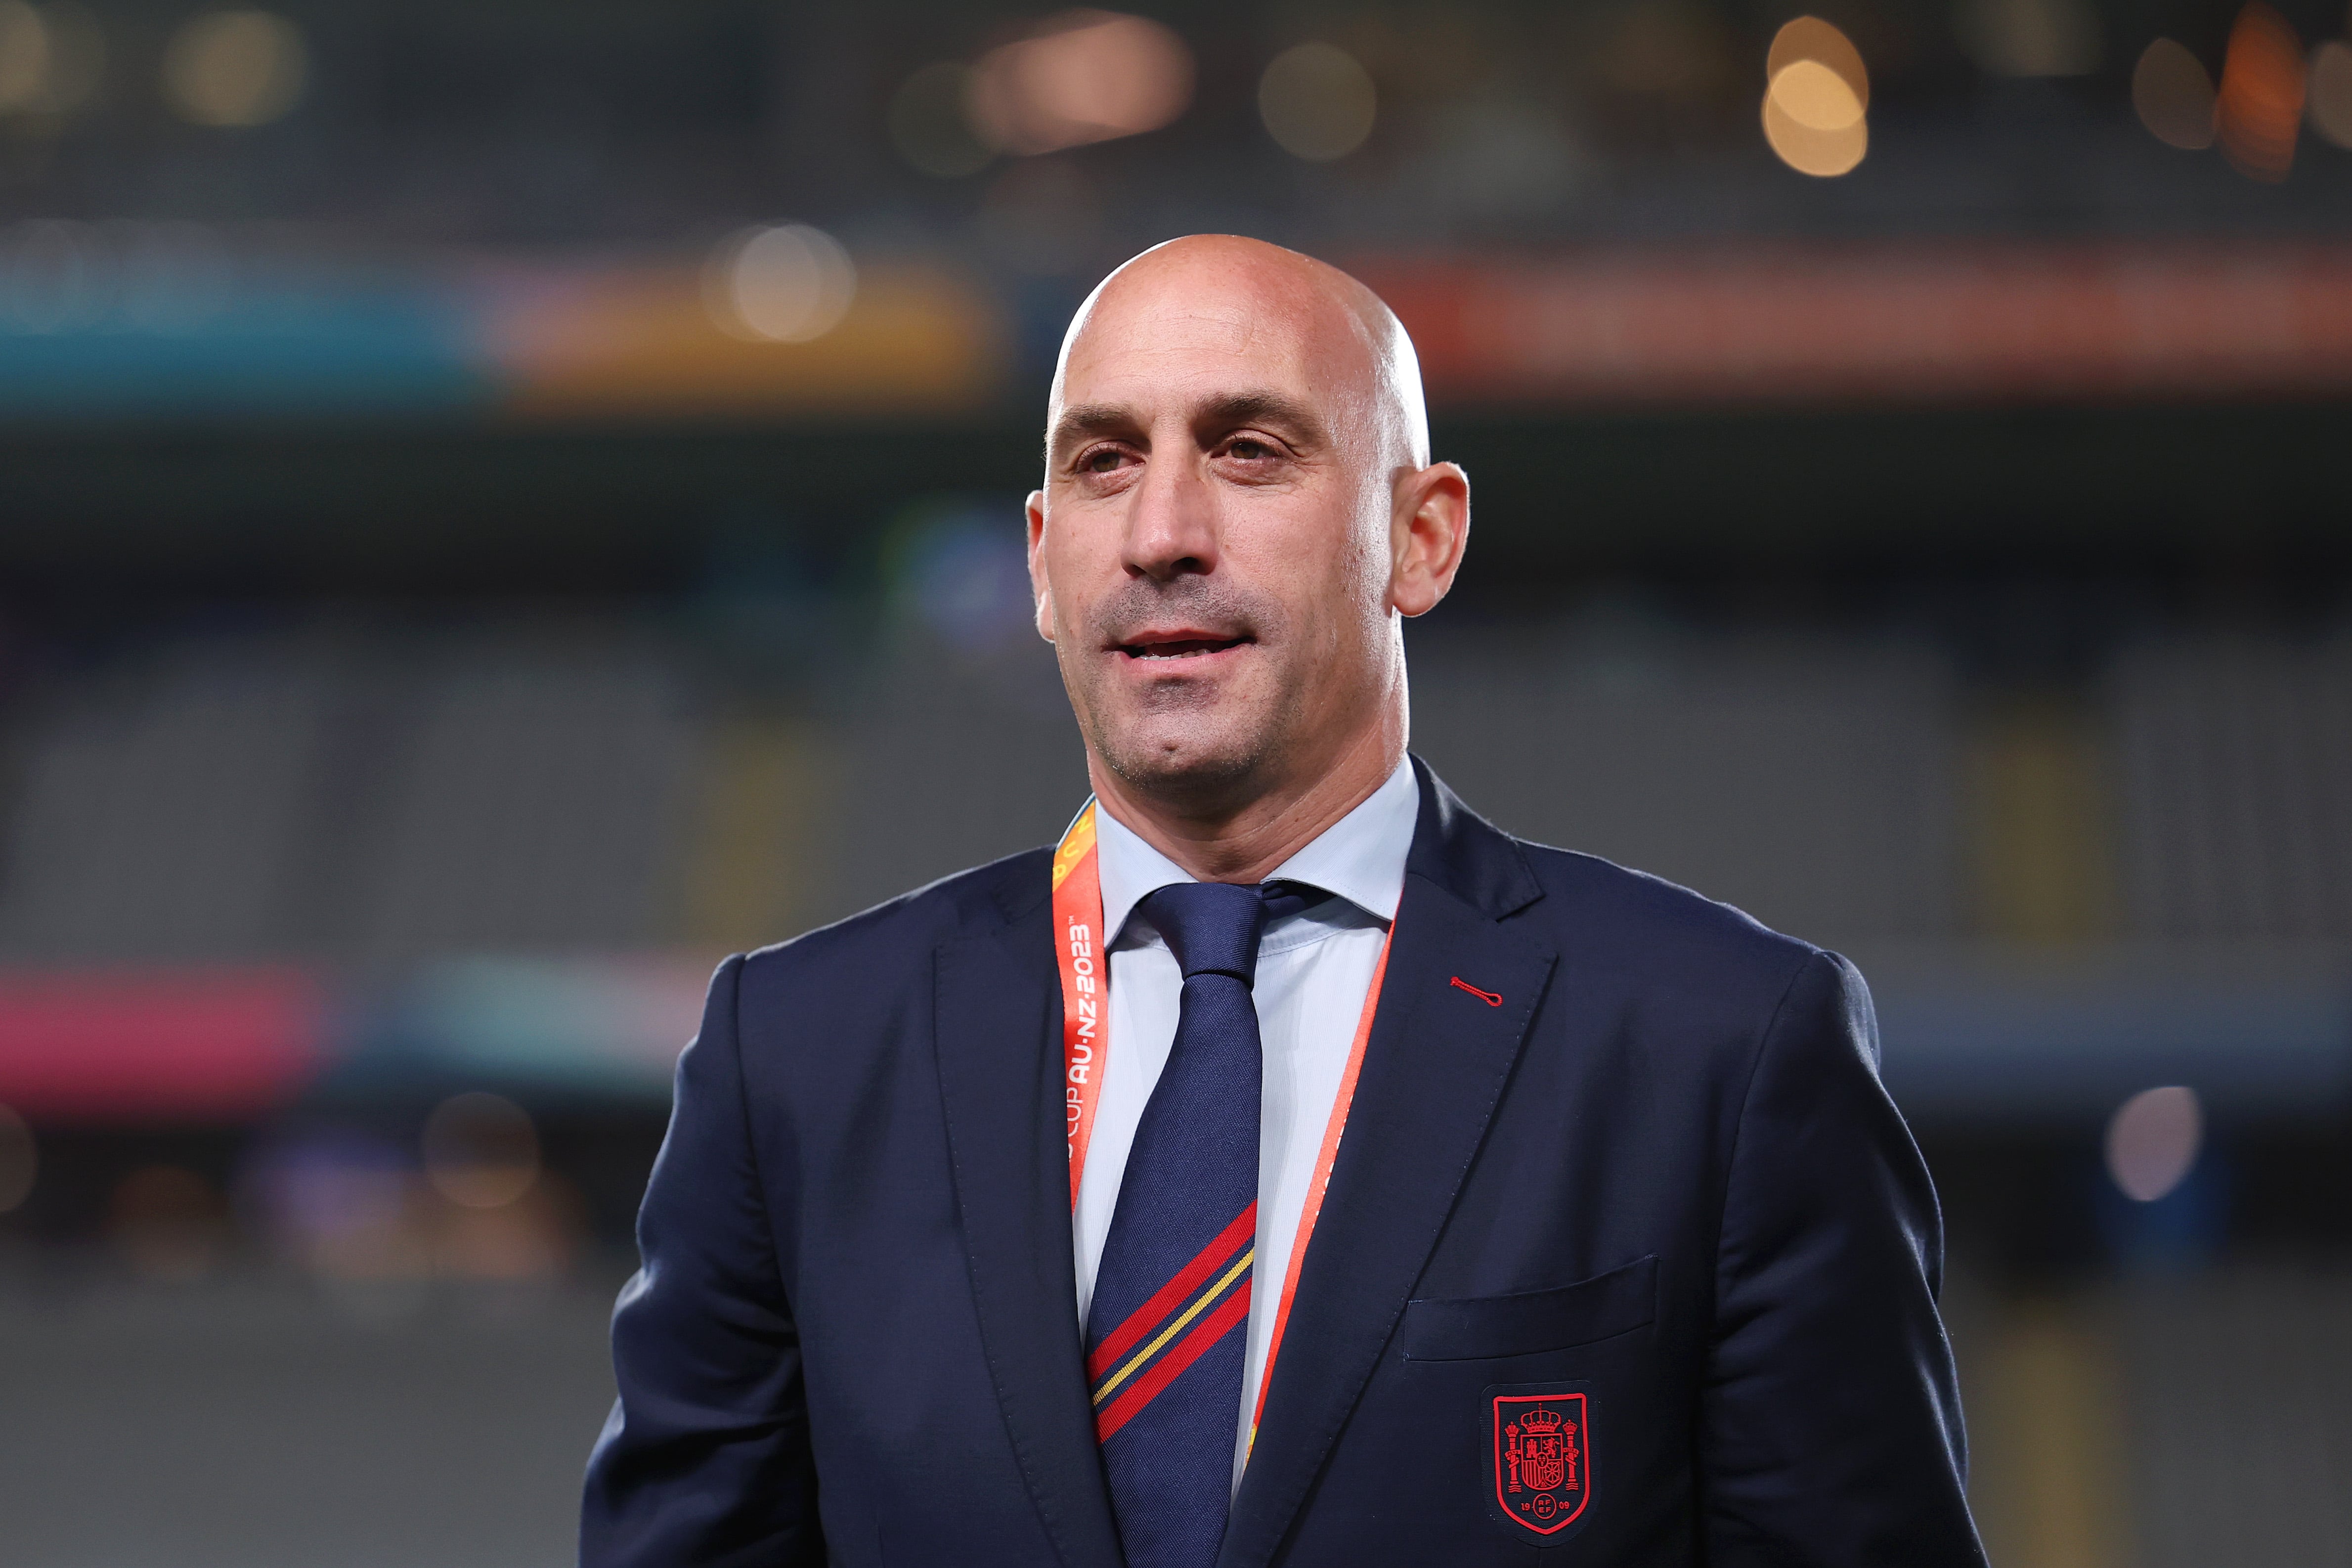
column 1432, row 1074
column 1000, row 1077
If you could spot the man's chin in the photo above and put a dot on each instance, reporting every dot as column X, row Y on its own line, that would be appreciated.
column 1187, row 768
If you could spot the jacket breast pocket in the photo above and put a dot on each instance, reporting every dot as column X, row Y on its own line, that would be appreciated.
column 1483, row 1328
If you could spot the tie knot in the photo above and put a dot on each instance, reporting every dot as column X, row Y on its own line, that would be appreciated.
column 1211, row 926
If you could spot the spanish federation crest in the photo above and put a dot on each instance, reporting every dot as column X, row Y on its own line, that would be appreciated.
column 1543, row 1448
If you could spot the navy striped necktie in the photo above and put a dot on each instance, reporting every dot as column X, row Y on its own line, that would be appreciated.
column 1169, row 1326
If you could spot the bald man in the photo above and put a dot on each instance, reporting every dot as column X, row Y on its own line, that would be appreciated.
column 1288, row 1166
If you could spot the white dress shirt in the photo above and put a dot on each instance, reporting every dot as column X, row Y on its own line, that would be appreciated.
column 1313, row 971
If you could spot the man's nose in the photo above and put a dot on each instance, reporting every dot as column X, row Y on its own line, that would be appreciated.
column 1171, row 528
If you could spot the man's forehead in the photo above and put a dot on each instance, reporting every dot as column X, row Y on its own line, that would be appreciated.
column 1176, row 351
column 1185, row 336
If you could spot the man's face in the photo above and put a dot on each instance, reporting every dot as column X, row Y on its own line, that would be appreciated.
column 1211, row 550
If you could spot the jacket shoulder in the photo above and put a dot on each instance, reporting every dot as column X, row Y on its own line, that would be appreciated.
column 967, row 903
column 1622, row 918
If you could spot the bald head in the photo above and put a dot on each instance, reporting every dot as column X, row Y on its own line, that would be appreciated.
column 1258, row 302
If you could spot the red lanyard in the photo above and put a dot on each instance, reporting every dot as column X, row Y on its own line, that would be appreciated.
column 1080, row 946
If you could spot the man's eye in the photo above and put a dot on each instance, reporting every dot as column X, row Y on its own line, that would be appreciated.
column 1101, row 462
column 1250, row 451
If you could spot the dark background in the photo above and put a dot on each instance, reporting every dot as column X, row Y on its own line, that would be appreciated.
column 432, row 634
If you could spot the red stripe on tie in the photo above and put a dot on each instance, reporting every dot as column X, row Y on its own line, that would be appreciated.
column 1234, row 1311
column 1174, row 1294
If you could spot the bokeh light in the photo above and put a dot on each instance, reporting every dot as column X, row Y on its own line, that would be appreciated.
column 52, row 59
column 785, row 283
column 1318, row 101
column 1084, row 77
column 1816, row 98
column 20, row 1161
column 1810, row 38
column 2259, row 112
column 2174, row 96
column 235, row 67
column 24, row 55
column 1821, row 154
column 480, row 1150
column 2153, row 1140
column 931, row 123
column 2328, row 91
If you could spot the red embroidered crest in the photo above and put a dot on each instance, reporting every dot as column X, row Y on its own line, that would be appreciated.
column 1542, row 1459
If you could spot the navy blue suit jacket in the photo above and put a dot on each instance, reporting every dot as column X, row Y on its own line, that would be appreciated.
column 1660, row 1172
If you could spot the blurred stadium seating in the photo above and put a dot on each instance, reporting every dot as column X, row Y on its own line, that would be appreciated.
column 500, row 506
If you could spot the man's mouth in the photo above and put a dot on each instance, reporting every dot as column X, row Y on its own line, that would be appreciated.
column 1165, row 646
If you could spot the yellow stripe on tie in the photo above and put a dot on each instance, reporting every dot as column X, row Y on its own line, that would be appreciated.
column 1200, row 1304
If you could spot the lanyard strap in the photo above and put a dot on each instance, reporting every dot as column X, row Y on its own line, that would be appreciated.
column 1082, row 950
column 1085, row 982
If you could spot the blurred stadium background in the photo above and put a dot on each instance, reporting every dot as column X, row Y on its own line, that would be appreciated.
column 503, row 504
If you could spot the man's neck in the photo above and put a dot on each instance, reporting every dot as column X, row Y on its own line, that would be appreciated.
column 1250, row 843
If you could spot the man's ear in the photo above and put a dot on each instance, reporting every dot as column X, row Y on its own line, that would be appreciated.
column 1430, row 530
column 1040, row 588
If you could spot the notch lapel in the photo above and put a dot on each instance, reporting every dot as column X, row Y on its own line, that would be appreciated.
column 998, row 1039
column 1432, row 1074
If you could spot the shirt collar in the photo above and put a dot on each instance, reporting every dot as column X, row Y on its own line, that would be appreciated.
column 1361, row 857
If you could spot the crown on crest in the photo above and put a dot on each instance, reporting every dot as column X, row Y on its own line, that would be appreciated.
column 1541, row 1421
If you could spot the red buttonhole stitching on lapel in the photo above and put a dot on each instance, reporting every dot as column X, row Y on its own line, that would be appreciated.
column 1488, row 998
